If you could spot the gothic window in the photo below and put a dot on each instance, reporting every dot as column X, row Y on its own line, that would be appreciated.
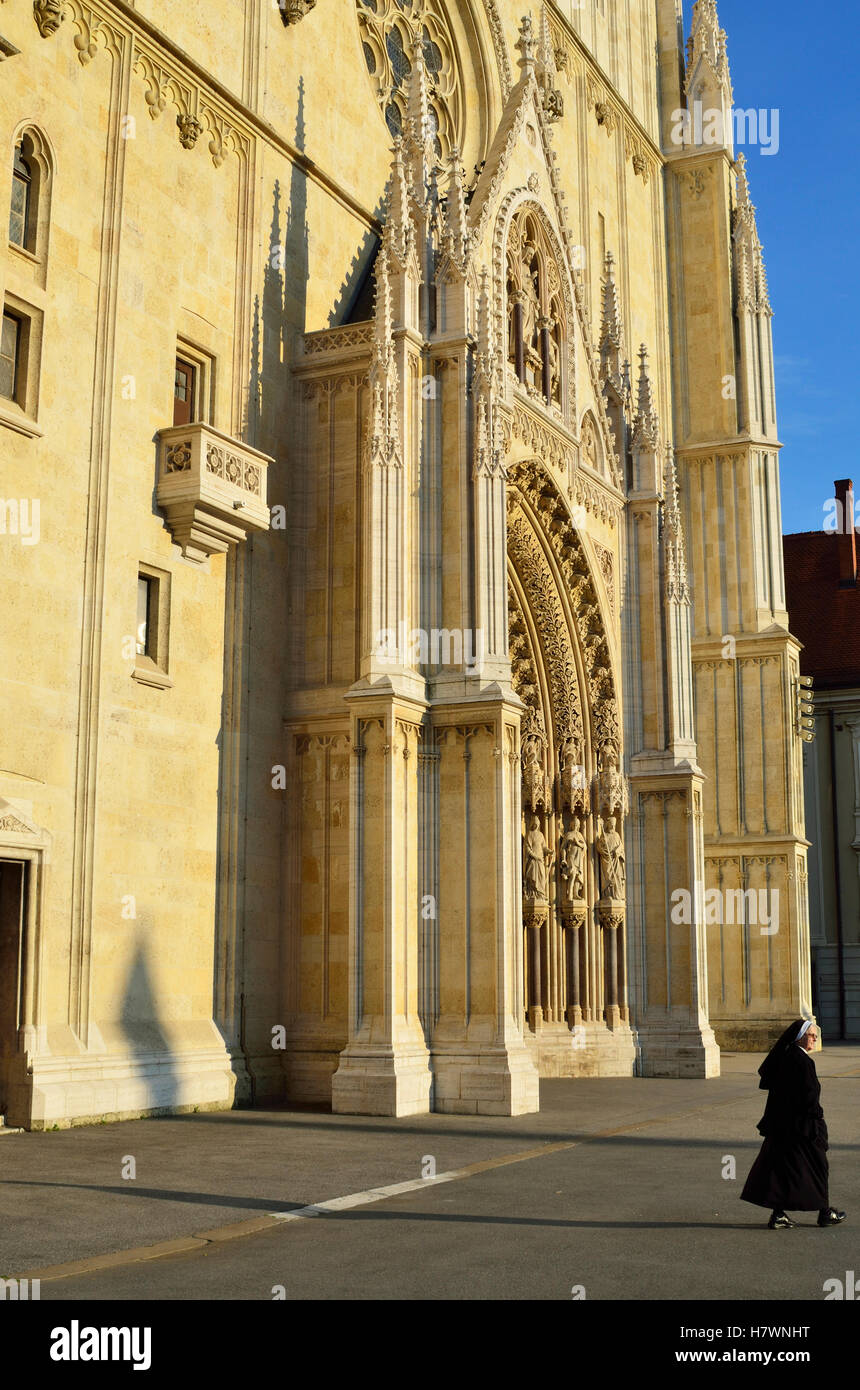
column 389, row 30
column 19, row 211
column 29, row 207
column 537, row 331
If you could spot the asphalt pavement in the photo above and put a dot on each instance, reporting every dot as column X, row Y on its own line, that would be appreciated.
column 617, row 1189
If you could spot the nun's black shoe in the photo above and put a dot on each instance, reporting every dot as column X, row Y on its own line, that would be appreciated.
column 779, row 1221
column 831, row 1217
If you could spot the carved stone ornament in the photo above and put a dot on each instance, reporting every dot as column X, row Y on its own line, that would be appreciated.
column 48, row 15
column 189, row 130
column 573, row 784
column 294, row 10
column 536, row 788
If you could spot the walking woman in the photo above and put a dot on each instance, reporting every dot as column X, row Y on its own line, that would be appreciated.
column 791, row 1172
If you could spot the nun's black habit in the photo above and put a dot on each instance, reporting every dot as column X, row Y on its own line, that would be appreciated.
column 791, row 1171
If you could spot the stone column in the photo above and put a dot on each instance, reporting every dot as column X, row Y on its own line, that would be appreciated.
column 573, row 918
column 384, row 1069
column 479, row 1058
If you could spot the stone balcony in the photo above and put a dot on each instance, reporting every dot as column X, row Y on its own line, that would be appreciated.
column 211, row 487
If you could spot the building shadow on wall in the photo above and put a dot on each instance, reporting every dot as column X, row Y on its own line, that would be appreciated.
column 249, row 891
column 145, row 1037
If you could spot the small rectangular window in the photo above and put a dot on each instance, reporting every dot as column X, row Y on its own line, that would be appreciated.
column 9, row 351
column 184, row 388
column 146, row 627
column 152, row 634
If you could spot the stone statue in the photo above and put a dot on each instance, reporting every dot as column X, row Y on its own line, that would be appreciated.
column 530, row 300
column 572, row 864
column 610, row 847
column 537, row 856
column 554, row 368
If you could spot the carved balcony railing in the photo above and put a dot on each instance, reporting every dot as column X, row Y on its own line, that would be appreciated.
column 211, row 487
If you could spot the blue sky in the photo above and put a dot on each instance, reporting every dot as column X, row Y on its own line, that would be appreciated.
column 801, row 60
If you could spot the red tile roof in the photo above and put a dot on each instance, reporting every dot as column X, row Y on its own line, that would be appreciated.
column 825, row 618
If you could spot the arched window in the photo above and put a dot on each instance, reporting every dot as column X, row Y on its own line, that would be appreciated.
column 536, row 318
column 20, row 218
column 29, row 209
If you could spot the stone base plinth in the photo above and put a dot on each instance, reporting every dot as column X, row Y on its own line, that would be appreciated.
column 678, row 1052
column 63, row 1091
column 378, row 1081
column 751, row 1035
column 309, row 1074
column 486, row 1081
column 588, row 1049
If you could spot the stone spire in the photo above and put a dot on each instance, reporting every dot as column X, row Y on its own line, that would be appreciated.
column 418, row 96
column 675, row 550
column 486, row 461
column 384, row 446
column 456, row 224
column 526, row 46
column 399, row 222
column 611, row 328
column 707, row 52
column 646, row 426
column 750, row 275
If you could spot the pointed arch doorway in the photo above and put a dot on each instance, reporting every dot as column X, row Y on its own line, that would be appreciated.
column 576, row 1014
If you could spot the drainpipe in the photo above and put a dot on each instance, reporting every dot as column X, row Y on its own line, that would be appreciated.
column 834, row 812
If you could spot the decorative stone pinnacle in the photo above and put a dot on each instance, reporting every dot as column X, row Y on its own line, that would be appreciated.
column 646, row 429
column 526, row 44
column 611, row 331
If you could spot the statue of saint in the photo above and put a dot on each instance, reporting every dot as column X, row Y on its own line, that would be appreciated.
column 572, row 864
column 610, row 847
column 537, row 856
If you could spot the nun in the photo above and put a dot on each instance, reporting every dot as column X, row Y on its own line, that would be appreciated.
column 791, row 1171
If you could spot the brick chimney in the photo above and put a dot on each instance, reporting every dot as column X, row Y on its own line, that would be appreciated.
column 846, row 538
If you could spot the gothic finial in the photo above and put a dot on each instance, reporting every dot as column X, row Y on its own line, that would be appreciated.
column 707, row 43
column 646, row 427
column 384, row 431
column 399, row 221
column 417, row 96
column 526, row 45
column 674, row 547
column 456, row 227
column 383, row 312
column 611, row 329
column 611, row 325
column 485, row 318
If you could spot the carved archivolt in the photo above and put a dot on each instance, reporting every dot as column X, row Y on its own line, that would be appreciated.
column 531, row 566
column 534, row 484
column 523, row 671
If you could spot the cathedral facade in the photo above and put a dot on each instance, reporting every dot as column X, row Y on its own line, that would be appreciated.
column 399, row 702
